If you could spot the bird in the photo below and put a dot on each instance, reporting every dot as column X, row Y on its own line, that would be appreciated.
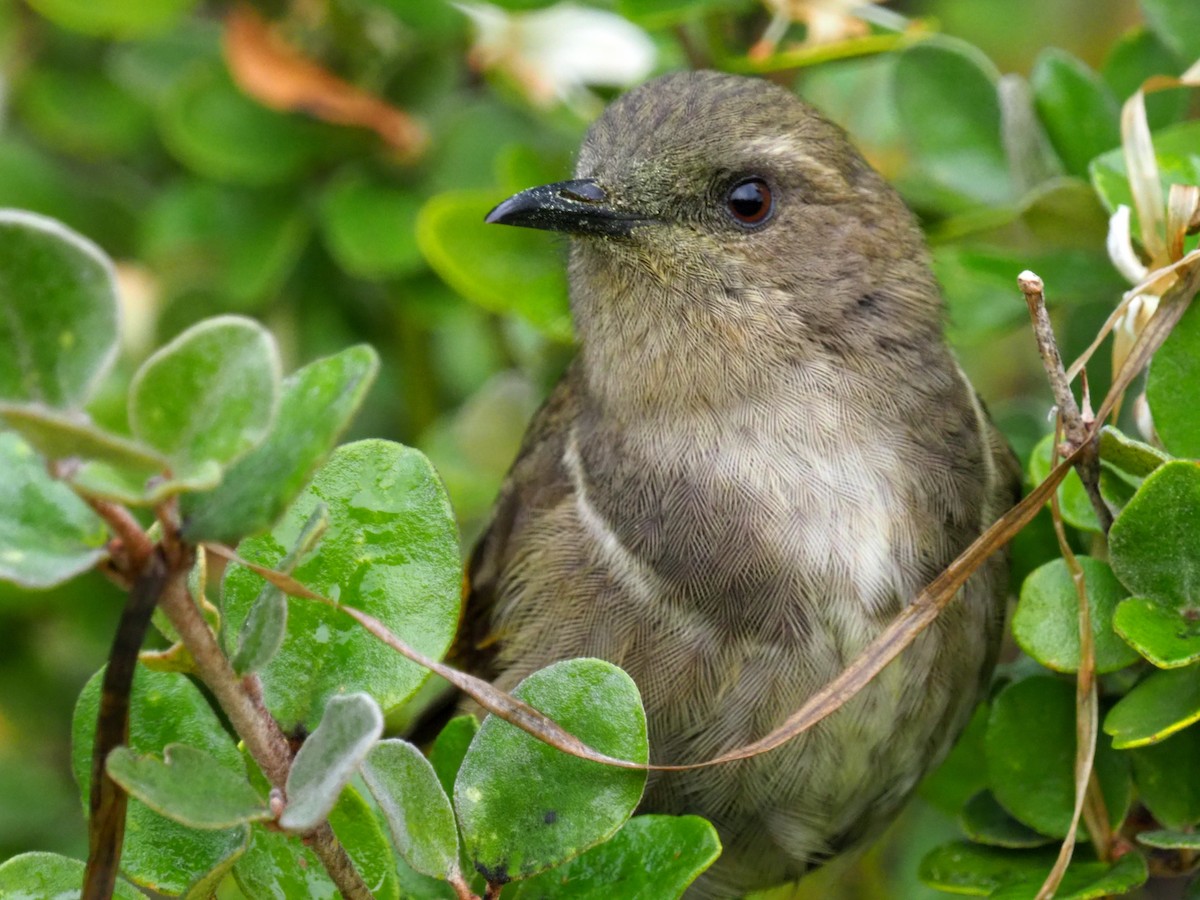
column 762, row 450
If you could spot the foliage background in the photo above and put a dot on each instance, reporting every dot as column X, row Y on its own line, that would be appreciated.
column 330, row 235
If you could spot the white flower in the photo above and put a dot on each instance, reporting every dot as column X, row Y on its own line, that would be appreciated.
column 1120, row 247
column 554, row 54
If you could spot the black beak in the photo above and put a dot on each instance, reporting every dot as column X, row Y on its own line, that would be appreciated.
column 573, row 207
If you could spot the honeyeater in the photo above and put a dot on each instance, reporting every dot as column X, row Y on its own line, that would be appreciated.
column 761, row 452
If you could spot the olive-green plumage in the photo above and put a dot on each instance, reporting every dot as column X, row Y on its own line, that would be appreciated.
column 761, row 453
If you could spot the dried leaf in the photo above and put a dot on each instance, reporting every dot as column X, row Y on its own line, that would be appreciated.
column 278, row 76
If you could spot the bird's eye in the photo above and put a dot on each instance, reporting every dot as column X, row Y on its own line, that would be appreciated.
column 749, row 201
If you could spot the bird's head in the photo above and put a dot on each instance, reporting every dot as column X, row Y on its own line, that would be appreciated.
column 727, row 203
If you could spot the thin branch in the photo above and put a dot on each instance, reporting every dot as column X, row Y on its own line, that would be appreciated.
column 135, row 546
column 106, row 820
column 1077, row 429
column 263, row 737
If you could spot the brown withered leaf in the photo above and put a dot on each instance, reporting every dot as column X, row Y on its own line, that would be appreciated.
column 278, row 76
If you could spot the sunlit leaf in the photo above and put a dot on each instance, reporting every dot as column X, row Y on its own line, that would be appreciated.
column 48, row 876
column 328, row 759
column 523, row 805
column 1160, row 705
column 47, row 534
column 58, row 312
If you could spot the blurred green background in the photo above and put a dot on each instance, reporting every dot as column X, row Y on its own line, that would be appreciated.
column 353, row 213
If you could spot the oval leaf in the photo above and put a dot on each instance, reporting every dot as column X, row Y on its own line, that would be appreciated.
column 165, row 708
column 504, row 270
column 1030, row 752
column 1168, row 779
column 987, row 822
column 39, row 876
column 188, row 786
column 47, row 534
column 1155, row 542
column 1080, row 113
column 58, row 312
column 523, row 805
column 417, row 810
column 391, row 550
column 1084, row 881
column 315, row 406
column 1171, row 387
column 1156, row 708
column 328, row 759
column 945, row 94
column 1046, row 623
column 1168, row 637
column 113, row 19
column 974, row 870
column 278, row 865
column 370, row 226
column 650, row 858
column 210, row 394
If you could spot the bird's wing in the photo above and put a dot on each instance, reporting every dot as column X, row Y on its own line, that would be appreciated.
column 536, row 483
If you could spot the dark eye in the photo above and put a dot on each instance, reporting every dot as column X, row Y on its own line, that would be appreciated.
column 749, row 201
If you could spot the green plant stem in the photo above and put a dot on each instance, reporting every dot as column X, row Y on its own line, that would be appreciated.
column 263, row 737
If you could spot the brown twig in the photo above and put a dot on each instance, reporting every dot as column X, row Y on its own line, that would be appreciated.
column 107, row 803
column 263, row 737
column 134, row 546
column 462, row 890
column 1078, row 430
column 493, row 890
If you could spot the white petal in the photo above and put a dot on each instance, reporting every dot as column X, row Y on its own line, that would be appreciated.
column 1120, row 247
column 573, row 46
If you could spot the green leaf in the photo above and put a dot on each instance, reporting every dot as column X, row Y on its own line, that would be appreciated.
column 165, row 708
column 1030, row 753
column 220, row 133
column 945, row 95
column 1167, row 637
column 1137, row 55
column 1058, row 230
column 262, row 632
column 1080, row 113
column 370, row 224
column 1072, row 498
column 1177, row 24
column 113, row 18
column 239, row 244
column 58, row 312
column 1154, row 543
column 964, row 868
column 83, row 113
column 524, row 806
column 278, row 865
column 1084, row 880
column 417, row 809
column 328, row 759
column 1171, row 387
column 188, row 786
column 1170, row 840
column 985, row 821
column 1119, row 451
column 1177, row 149
column 210, row 394
column 391, row 550
column 316, row 404
column 655, row 14
column 650, row 858
column 504, row 270
column 450, row 748
column 72, row 435
column 140, row 487
column 1046, row 623
column 1160, row 705
column 48, row 876
column 47, row 534
column 1168, row 779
